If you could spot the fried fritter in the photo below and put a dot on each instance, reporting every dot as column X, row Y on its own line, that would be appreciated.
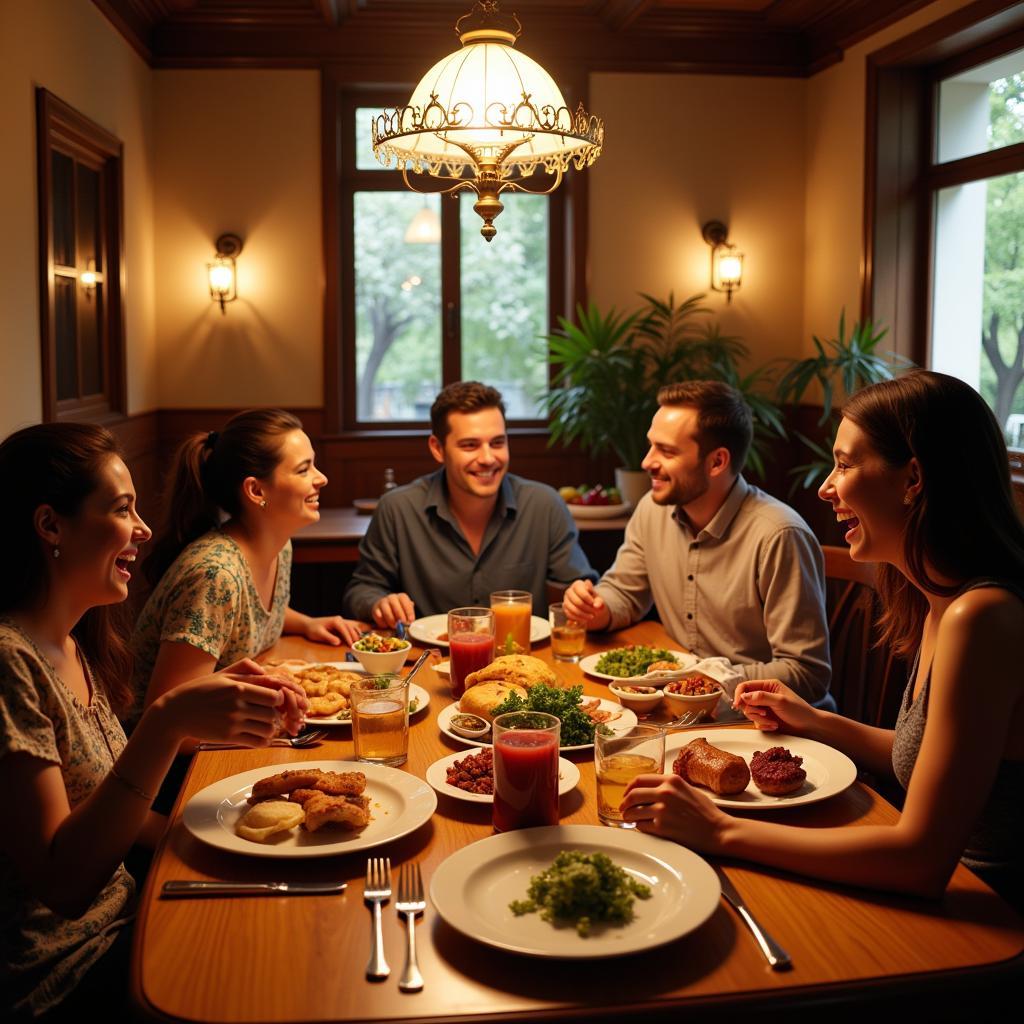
column 326, row 705
column 321, row 809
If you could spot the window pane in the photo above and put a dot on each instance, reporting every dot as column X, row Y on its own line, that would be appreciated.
column 982, row 109
column 365, row 160
column 63, row 170
column 978, row 306
column 505, row 301
column 90, row 308
column 398, row 309
column 64, row 330
column 88, row 218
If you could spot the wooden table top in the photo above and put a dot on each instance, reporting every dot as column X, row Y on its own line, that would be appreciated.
column 303, row 958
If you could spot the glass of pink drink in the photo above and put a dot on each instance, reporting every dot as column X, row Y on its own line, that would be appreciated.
column 470, row 644
column 525, row 770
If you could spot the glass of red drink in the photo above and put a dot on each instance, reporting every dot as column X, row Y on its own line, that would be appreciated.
column 525, row 770
column 470, row 644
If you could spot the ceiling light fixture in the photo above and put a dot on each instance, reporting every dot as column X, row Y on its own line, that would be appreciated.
column 485, row 118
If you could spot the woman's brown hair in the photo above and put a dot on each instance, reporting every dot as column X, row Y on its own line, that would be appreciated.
column 206, row 480
column 58, row 464
column 964, row 524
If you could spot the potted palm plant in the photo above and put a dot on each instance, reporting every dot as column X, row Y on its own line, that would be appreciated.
column 608, row 367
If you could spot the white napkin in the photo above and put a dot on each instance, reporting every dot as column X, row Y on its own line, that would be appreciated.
column 723, row 671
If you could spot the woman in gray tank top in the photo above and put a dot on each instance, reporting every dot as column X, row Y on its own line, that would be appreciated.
column 921, row 485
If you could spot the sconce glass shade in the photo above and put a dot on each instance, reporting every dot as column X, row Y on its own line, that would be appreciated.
column 486, row 117
column 222, row 271
column 87, row 278
column 730, row 268
column 424, row 228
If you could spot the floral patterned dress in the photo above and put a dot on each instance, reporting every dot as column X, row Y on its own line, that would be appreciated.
column 46, row 955
column 208, row 599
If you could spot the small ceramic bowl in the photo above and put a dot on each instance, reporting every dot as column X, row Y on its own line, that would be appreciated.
column 681, row 703
column 471, row 726
column 642, row 703
column 380, row 662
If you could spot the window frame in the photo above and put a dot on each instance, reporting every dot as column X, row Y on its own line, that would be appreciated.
column 62, row 129
column 341, row 180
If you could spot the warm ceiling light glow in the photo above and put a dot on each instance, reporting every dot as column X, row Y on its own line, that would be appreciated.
column 486, row 117
column 424, row 228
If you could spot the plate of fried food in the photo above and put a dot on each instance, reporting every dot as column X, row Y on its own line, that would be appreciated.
column 469, row 775
column 314, row 809
column 327, row 685
column 755, row 771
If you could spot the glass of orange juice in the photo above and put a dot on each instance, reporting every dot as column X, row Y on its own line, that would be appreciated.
column 512, row 610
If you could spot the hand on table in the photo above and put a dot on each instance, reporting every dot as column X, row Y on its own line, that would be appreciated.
column 582, row 603
column 331, row 629
column 772, row 705
column 241, row 704
column 668, row 806
column 392, row 609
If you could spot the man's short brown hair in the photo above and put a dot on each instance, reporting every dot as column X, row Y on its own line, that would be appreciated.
column 723, row 417
column 462, row 396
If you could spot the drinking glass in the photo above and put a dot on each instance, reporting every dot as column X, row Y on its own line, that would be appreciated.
column 567, row 636
column 512, row 610
column 470, row 644
column 380, row 719
column 525, row 770
column 619, row 758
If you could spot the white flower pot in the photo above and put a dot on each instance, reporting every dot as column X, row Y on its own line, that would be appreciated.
column 633, row 484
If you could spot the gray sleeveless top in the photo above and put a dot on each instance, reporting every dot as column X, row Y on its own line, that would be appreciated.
column 995, row 850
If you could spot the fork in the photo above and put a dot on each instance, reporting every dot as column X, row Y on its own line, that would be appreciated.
column 306, row 739
column 410, row 902
column 687, row 718
column 377, row 890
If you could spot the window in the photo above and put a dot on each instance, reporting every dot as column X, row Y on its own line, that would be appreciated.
column 80, row 202
column 423, row 299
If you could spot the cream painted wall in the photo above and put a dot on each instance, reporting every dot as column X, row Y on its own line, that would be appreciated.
column 834, row 220
column 71, row 49
column 727, row 148
column 239, row 151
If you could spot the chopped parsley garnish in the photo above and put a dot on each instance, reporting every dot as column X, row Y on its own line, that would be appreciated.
column 577, row 727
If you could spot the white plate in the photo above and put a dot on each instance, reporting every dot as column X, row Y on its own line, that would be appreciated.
column 589, row 664
column 416, row 693
column 599, row 511
column 472, row 889
column 430, row 627
column 443, row 668
column 399, row 803
column 437, row 776
column 625, row 721
column 829, row 771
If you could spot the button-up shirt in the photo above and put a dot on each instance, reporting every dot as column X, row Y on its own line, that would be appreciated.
column 415, row 545
column 749, row 587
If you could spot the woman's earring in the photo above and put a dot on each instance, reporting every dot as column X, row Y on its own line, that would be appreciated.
column 56, row 552
column 908, row 498
column 263, row 503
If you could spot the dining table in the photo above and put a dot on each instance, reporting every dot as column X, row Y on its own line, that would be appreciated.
column 303, row 958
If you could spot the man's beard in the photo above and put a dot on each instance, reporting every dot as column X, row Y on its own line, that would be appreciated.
column 683, row 492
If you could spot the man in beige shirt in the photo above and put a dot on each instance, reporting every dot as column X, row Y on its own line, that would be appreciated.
column 733, row 572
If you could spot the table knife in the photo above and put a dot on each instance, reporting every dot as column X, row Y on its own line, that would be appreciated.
column 776, row 956
column 180, row 888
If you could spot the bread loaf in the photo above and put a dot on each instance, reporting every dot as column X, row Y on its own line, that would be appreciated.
column 704, row 765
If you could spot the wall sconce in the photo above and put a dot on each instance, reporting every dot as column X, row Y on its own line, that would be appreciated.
column 223, row 281
column 88, row 279
column 726, row 259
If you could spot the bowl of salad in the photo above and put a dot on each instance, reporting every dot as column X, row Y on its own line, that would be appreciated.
column 378, row 654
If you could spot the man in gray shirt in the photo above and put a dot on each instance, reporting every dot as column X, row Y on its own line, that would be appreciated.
column 733, row 572
column 452, row 538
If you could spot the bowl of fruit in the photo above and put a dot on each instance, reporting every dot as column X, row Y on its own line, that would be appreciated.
column 600, row 502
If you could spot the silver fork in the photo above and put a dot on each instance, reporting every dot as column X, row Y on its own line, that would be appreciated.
column 410, row 902
column 687, row 718
column 307, row 739
column 377, row 891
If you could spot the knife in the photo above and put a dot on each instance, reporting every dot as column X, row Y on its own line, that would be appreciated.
column 175, row 889
column 776, row 956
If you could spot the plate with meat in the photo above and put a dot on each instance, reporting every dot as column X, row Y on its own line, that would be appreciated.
column 432, row 630
column 346, row 806
column 758, row 771
column 469, row 775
